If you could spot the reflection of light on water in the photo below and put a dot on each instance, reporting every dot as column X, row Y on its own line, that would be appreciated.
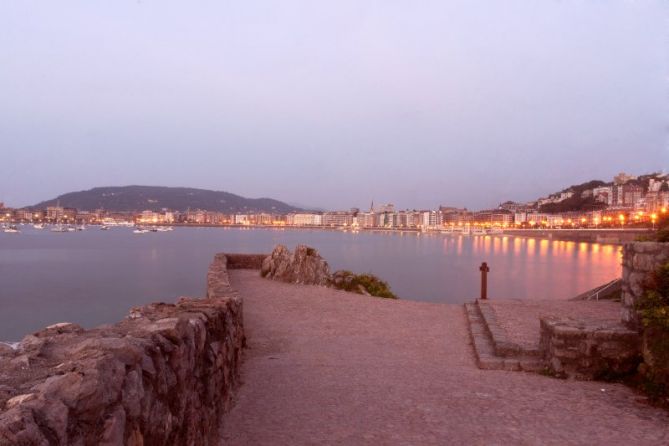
column 487, row 245
column 517, row 246
column 505, row 245
column 543, row 247
column 496, row 244
column 595, row 248
column 531, row 246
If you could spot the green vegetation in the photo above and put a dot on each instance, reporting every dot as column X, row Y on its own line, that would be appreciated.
column 361, row 284
column 661, row 234
column 574, row 203
column 653, row 309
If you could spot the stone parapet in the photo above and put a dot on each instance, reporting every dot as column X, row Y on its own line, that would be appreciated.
column 639, row 259
column 164, row 375
column 246, row 261
column 589, row 350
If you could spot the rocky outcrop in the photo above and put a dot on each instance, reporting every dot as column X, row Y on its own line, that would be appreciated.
column 304, row 266
column 164, row 375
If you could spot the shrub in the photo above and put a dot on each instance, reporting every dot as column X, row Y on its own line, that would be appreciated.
column 356, row 283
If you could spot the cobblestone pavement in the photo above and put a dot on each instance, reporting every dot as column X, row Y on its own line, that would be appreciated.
column 328, row 367
column 520, row 318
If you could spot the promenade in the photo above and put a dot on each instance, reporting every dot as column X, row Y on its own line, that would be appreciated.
column 328, row 367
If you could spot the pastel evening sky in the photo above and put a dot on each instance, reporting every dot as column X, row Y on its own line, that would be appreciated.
column 331, row 103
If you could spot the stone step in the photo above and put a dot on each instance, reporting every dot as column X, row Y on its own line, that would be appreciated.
column 501, row 343
column 484, row 349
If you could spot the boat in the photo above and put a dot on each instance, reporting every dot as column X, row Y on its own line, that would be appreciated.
column 11, row 229
column 140, row 231
column 104, row 228
column 81, row 228
column 164, row 228
column 38, row 226
column 59, row 228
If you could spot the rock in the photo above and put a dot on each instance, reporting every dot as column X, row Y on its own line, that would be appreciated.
column 60, row 328
column 19, row 399
column 6, row 349
column 303, row 266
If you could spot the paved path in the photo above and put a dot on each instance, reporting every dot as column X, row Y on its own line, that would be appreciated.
column 328, row 367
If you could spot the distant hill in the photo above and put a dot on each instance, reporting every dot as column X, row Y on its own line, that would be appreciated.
column 155, row 198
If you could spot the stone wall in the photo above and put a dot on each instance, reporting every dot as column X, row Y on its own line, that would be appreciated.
column 639, row 259
column 164, row 375
column 589, row 350
column 245, row 261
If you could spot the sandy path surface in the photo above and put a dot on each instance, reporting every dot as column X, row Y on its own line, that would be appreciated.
column 328, row 367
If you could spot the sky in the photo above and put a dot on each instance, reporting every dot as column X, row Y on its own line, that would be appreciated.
column 332, row 104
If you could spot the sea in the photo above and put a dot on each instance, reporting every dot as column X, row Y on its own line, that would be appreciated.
column 94, row 277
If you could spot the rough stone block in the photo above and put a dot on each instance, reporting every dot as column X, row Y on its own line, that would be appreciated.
column 149, row 379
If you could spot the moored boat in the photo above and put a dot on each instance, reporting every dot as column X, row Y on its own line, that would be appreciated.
column 11, row 229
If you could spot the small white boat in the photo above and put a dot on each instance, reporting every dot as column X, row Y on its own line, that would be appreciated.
column 104, row 228
column 71, row 229
column 140, row 231
column 164, row 228
column 59, row 228
column 38, row 226
column 81, row 228
column 11, row 229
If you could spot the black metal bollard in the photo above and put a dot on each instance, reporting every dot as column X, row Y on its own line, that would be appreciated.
column 484, row 280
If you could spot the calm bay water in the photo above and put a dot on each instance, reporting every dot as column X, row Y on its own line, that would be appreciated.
column 94, row 277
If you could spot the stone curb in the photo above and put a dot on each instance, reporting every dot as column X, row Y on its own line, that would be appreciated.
column 484, row 350
column 502, row 345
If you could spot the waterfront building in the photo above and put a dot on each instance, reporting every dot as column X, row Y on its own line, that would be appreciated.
column 261, row 219
column 632, row 193
column 366, row 219
column 494, row 217
column 23, row 215
column 242, row 219
column 603, row 194
column 70, row 214
column 451, row 216
column 86, row 217
column 54, row 213
column 337, row 218
column 304, row 219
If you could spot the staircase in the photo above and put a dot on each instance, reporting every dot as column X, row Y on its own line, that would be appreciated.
column 493, row 349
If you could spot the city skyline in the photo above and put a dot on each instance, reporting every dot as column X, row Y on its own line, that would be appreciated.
column 619, row 177
column 331, row 106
